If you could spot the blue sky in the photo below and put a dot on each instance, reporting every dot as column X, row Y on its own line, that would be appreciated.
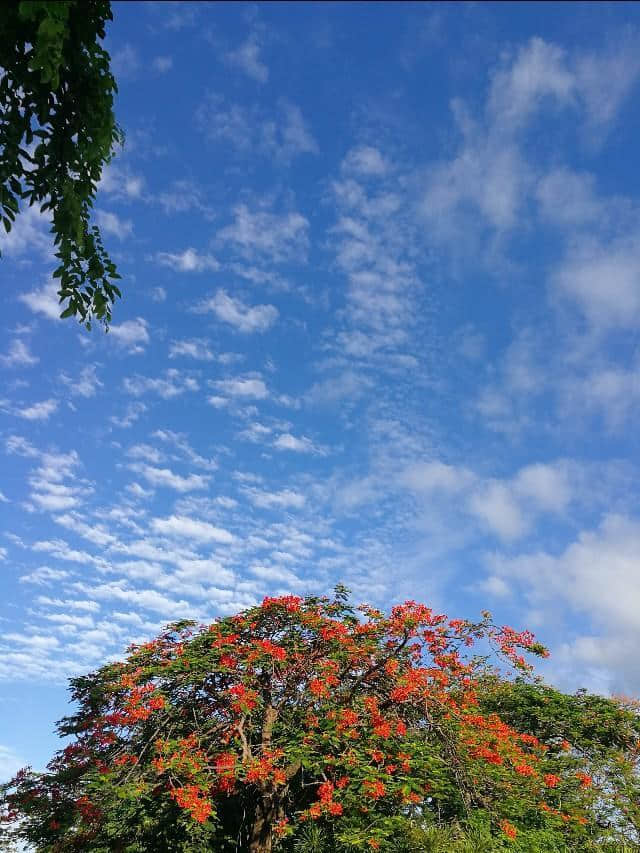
column 381, row 276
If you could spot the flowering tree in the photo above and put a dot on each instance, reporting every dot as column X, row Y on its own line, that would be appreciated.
column 237, row 735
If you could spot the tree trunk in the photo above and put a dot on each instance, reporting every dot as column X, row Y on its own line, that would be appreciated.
column 260, row 838
column 261, row 835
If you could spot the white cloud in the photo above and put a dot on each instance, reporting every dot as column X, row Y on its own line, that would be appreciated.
column 290, row 136
column 218, row 402
column 247, row 58
column 125, row 62
column 606, row 79
column 192, row 529
column 49, row 491
column 597, row 575
column 233, row 123
column 507, row 507
column 169, row 479
column 175, row 15
column 146, row 452
column 567, row 198
column 538, row 72
column 483, row 190
column 546, row 485
column 286, row 441
column 162, row 64
column 93, row 532
column 488, row 175
column 138, row 492
column 61, row 550
column 171, row 385
column 375, row 249
column 110, row 223
column 159, row 294
column 366, row 160
column 244, row 387
column 121, row 183
column 277, row 574
column 181, row 196
column 90, row 606
column 495, row 586
column 29, row 234
column 86, row 384
column 497, row 507
column 284, row 499
column 347, row 386
column 148, row 599
column 38, row 411
column 610, row 390
column 196, row 348
column 3, row 498
column 19, row 355
column 277, row 237
column 255, row 432
column 179, row 442
column 244, row 318
column 53, row 502
column 131, row 415
column 603, row 279
column 44, row 576
column 132, row 335
column 17, row 444
column 436, row 476
column 44, row 301
column 280, row 136
column 34, row 641
column 188, row 261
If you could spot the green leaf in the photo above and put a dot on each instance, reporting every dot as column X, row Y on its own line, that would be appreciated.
column 62, row 70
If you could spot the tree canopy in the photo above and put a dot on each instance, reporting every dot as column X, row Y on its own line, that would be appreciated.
column 57, row 131
column 303, row 724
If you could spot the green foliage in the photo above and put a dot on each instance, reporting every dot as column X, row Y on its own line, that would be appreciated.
column 587, row 734
column 472, row 836
column 57, row 131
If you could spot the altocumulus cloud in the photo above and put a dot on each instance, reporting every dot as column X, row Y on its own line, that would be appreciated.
column 189, row 528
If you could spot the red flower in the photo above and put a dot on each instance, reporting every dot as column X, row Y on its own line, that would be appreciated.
column 325, row 791
column 585, row 780
column 508, row 828
column 374, row 788
column 318, row 688
column 192, row 799
column 269, row 648
column 382, row 728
